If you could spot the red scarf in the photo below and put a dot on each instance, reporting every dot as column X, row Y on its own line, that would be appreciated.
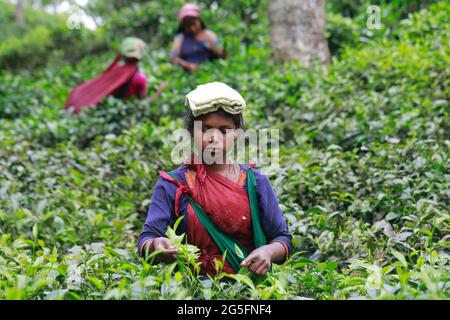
column 91, row 92
column 227, row 204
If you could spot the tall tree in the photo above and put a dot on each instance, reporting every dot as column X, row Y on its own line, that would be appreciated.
column 20, row 14
column 297, row 30
column 55, row 6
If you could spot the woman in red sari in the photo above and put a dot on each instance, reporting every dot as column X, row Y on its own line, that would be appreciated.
column 122, row 79
column 221, row 189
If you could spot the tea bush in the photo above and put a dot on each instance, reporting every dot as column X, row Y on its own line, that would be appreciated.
column 43, row 38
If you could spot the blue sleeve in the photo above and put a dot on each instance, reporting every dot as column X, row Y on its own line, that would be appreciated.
column 160, row 214
column 174, row 53
column 272, row 219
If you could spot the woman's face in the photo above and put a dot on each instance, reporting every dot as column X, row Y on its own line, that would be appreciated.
column 216, row 136
column 192, row 25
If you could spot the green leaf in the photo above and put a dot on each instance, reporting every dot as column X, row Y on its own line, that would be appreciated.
column 175, row 226
column 331, row 266
column 400, row 257
column 178, row 276
column 238, row 251
column 391, row 216
column 125, row 205
column 242, row 279
column 35, row 231
column 96, row 282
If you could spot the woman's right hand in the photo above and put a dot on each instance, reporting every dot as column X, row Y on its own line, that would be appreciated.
column 188, row 66
column 167, row 251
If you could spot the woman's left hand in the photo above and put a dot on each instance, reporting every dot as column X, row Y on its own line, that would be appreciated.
column 259, row 260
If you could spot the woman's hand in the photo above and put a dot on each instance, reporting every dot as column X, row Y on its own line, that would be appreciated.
column 186, row 65
column 224, row 54
column 189, row 66
column 212, row 44
column 168, row 252
column 259, row 260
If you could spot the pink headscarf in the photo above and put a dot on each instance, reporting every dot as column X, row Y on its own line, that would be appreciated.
column 91, row 92
column 189, row 9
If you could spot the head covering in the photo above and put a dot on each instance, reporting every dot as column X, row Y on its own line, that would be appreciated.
column 189, row 10
column 133, row 48
column 210, row 97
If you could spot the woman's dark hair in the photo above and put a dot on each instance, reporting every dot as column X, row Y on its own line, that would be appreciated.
column 188, row 20
column 131, row 60
column 189, row 119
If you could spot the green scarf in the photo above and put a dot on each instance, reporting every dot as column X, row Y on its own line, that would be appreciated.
column 235, row 251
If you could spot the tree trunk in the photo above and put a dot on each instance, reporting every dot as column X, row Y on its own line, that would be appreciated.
column 297, row 30
column 20, row 15
column 55, row 6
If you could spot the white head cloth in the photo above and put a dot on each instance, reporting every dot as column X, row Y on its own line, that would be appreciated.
column 209, row 97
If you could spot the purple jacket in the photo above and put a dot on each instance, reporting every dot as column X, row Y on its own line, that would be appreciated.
column 161, row 213
column 193, row 50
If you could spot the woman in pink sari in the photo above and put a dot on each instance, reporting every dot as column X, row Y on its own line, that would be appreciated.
column 122, row 79
column 223, row 203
